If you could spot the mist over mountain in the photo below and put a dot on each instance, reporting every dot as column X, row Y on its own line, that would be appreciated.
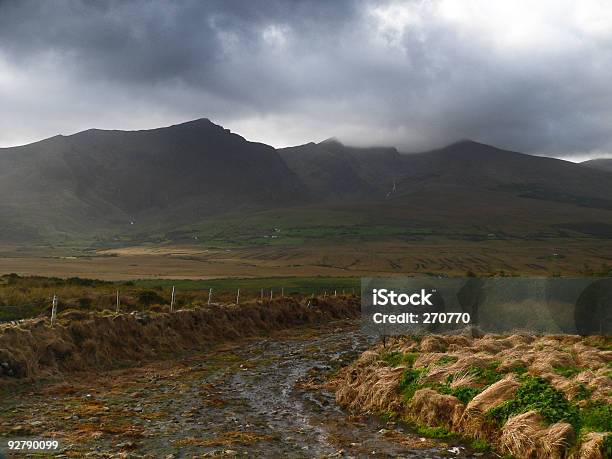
column 105, row 182
column 332, row 170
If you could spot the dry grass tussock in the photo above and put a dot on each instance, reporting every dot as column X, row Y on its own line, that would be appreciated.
column 372, row 390
column 82, row 340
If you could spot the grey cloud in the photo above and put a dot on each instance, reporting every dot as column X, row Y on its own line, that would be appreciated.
column 294, row 71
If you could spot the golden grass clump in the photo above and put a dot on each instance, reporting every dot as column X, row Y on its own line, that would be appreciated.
column 525, row 435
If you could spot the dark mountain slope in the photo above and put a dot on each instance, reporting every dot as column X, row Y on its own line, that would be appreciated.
column 334, row 171
column 604, row 164
column 478, row 166
column 103, row 179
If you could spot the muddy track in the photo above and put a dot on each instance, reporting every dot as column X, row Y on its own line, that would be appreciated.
column 257, row 398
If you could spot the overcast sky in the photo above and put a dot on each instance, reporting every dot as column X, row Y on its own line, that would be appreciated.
column 533, row 76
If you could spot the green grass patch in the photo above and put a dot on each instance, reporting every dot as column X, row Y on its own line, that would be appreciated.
column 465, row 394
column 583, row 392
column 290, row 284
column 567, row 371
column 434, row 432
column 409, row 383
column 480, row 446
column 395, row 358
column 488, row 374
column 607, row 446
column 538, row 395
column 446, row 359
column 518, row 368
column 596, row 416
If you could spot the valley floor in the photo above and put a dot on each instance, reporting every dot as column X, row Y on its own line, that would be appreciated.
column 547, row 257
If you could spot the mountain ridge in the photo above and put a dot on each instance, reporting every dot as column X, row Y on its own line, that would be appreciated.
column 97, row 183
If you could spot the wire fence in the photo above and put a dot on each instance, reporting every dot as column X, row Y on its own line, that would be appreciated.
column 174, row 299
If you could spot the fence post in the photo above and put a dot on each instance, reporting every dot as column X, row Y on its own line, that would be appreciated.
column 262, row 294
column 270, row 294
column 335, row 292
column 209, row 294
column 172, row 300
column 282, row 292
column 238, row 297
column 117, row 307
column 54, row 310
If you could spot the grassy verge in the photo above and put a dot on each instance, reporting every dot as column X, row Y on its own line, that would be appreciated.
column 26, row 297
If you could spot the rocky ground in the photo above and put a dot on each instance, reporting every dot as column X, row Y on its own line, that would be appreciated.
column 257, row 397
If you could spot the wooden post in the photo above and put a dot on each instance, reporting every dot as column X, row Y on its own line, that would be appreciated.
column 270, row 294
column 262, row 294
column 209, row 294
column 282, row 292
column 172, row 299
column 117, row 307
column 238, row 297
column 54, row 310
column 335, row 292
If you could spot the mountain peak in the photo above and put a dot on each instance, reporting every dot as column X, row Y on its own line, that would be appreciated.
column 468, row 142
column 331, row 141
column 196, row 122
column 470, row 148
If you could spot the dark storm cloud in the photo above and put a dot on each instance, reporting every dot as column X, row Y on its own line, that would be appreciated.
column 415, row 74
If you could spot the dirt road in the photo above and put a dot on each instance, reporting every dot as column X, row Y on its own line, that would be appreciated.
column 256, row 398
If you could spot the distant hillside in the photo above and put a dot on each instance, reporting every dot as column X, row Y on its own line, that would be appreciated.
column 113, row 179
column 604, row 164
column 332, row 170
column 483, row 167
